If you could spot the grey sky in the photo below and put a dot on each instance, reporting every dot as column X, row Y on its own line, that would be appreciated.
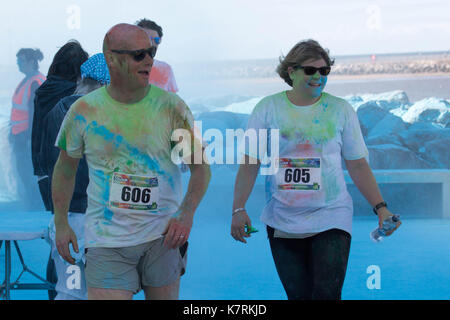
column 231, row 29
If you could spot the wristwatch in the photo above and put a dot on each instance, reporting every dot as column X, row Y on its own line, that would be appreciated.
column 378, row 206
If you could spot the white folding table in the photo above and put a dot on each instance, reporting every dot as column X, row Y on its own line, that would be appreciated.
column 18, row 226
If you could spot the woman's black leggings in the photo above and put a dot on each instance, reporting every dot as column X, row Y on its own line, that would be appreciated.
column 314, row 267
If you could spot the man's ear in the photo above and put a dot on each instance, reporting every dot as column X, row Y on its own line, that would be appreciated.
column 109, row 57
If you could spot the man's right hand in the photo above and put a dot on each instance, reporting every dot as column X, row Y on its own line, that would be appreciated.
column 65, row 235
column 239, row 220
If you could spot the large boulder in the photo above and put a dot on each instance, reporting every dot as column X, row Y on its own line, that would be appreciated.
column 431, row 110
column 391, row 156
column 436, row 152
column 388, row 100
column 369, row 115
column 419, row 134
column 386, row 130
column 383, row 139
column 354, row 100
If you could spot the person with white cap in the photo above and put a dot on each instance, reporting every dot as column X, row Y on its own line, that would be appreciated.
column 71, row 281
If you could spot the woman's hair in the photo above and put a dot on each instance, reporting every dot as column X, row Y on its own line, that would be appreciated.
column 68, row 60
column 32, row 55
column 149, row 24
column 303, row 51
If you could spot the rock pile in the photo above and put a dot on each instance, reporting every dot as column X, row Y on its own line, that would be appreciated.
column 399, row 134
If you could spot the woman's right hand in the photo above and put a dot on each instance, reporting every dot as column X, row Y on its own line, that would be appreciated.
column 238, row 222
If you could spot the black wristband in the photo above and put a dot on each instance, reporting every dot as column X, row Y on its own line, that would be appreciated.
column 378, row 206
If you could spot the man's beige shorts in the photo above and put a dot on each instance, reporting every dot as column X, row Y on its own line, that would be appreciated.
column 131, row 268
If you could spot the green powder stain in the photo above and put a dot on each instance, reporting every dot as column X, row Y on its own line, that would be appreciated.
column 62, row 143
column 316, row 125
column 332, row 188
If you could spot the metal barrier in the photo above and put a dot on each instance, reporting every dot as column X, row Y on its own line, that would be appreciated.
column 441, row 176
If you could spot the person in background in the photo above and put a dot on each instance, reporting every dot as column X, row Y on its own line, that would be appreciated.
column 62, row 77
column 94, row 74
column 308, row 209
column 161, row 75
column 21, row 113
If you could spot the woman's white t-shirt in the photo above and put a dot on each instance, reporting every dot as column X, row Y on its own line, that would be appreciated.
column 308, row 193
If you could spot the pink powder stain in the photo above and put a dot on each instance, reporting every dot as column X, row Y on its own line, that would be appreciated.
column 295, row 197
column 83, row 106
column 306, row 149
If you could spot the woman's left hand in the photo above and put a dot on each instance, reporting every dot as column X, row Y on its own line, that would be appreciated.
column 384, row 214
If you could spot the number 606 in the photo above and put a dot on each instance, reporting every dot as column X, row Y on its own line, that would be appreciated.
column 136, row 194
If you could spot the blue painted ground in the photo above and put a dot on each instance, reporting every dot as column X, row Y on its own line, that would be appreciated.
column 414, row 263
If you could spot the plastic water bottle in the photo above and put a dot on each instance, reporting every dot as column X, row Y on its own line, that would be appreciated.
column 379, row 233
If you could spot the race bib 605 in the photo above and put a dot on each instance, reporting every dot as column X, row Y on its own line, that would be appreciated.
column 299, row 174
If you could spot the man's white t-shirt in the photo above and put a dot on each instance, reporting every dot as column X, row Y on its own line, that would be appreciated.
column 134, row 187
column 308, row 194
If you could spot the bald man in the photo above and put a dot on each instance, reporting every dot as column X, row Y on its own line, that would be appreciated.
column 137, row 224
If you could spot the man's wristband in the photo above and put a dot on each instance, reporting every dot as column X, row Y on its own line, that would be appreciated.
column 237, row 210
column 378, row 206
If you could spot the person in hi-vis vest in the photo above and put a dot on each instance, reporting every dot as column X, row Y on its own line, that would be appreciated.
column 21, row 115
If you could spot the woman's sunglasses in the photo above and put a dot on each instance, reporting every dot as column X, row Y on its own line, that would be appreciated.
column 138, row 55
column 309, row 71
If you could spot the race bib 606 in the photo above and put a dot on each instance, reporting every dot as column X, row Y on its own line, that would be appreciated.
column 134, row 192
column 299, row 174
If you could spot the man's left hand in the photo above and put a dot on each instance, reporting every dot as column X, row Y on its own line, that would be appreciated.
column 177, row 231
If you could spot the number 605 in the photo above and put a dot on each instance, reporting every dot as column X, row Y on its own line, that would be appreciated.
column 297, row 175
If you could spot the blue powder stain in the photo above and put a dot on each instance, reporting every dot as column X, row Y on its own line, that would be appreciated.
column 104, row 184
column 134, row 152
column 118, row 141
column 80, row 118
column 102, row 131
column 108, row 214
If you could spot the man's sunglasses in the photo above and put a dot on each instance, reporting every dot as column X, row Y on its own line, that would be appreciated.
column 157, row 40
column 309, row 71
column 138, row 55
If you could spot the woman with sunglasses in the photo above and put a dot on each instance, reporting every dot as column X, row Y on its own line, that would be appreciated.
column 308, row 210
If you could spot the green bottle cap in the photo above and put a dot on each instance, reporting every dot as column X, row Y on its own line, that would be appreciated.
column 249, row 230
